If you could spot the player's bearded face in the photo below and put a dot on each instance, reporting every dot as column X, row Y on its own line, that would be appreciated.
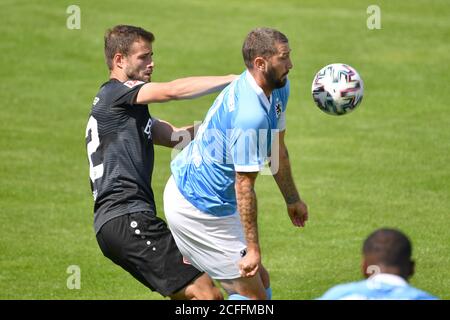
column 139, row 64
column 278, row 67
column 274, row 79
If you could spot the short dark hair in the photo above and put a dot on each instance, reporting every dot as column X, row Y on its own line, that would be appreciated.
column 261, row 42
column 120, row 38
column 389, row 247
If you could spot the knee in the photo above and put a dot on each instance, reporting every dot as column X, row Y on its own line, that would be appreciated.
column 216, row 294
column 203, row 288
column 212, row 293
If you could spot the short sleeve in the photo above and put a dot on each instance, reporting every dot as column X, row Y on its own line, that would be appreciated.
column 250, row 143
column 125, row 93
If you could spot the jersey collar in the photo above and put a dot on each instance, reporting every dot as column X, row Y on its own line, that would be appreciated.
column 388, row 278
column 259, row 91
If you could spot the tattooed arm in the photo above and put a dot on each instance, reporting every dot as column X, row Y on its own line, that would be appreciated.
column 297, row 209
column 247, row 207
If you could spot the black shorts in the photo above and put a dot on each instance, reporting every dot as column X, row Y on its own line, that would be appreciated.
column 142, row 244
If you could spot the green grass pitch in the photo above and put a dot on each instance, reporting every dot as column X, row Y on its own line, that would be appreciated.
column 386, row 164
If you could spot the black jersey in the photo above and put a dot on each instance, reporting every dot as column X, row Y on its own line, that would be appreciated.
column 120, row 152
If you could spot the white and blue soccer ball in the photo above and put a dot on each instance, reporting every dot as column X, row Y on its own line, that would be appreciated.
column 337, row 89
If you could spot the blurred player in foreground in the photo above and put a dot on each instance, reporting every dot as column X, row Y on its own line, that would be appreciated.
column 387, row 264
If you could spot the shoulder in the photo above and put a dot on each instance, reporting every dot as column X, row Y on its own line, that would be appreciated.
column 117, row 93
column 249, row 110
column 418, row 294
column 114, row 86
column 352, row 290
column 250, row 118
column 110, row 88
column 244, row 92
column 111, row 85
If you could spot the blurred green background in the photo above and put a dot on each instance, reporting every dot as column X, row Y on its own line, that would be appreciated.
column 385, row 164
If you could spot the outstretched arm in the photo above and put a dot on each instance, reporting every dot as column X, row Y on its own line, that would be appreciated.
column 247, row 207
column 184, row 88
column 297, row 209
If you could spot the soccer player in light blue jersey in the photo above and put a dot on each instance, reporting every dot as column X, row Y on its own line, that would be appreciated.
column 387, row 264
column 210, row 201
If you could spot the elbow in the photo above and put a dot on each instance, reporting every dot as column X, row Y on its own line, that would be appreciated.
column 175, row 91
column 173, row 94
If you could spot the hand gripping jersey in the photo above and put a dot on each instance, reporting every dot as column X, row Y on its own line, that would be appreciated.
column 120, row 152
column 236, row 136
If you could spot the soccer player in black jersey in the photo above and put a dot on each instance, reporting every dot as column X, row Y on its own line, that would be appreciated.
column 120, row 135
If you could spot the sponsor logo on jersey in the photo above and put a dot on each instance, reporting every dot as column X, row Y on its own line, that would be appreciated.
column 132, row 83
column 148, row 128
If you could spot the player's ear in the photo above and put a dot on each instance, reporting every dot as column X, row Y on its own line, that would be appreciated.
column 118, row 60
column 364, row 268
column 259, row 63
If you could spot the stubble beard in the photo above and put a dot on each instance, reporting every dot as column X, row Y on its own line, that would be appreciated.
column 273, row 81
column 134, row 74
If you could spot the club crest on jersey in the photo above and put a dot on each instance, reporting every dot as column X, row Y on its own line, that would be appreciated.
column 278, row 109
column 132, row 83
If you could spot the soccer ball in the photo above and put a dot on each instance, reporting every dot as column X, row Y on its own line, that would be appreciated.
column 337, row 89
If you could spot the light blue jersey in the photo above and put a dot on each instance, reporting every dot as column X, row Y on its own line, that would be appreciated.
column 236, row 136
column 379, row 287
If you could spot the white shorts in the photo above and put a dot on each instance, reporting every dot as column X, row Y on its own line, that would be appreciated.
column 212, row 244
